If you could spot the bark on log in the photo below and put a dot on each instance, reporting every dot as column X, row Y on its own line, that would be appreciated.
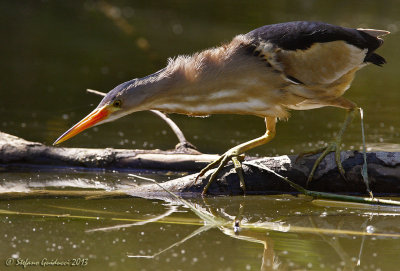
column 383, row 168
column 20, row 152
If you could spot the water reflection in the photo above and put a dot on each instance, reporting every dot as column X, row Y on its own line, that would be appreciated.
column 258, row 232
column 279, row 232
column 328, row 228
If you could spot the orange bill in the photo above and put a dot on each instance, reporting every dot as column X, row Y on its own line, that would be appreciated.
column 96, row 116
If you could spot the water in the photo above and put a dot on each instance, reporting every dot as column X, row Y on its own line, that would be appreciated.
column 53, row 50
column 293, row 233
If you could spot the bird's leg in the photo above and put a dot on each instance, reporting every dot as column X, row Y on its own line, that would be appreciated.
column 334, row 146
column 234, row 154
column 239, row 172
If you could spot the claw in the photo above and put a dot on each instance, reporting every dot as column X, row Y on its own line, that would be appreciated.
column 339, row 164
column 325, row 152
column 239, row 171
column 236, row 154
column 334, row 146
column 209, row 166
column 224, row 160
column 221, row 162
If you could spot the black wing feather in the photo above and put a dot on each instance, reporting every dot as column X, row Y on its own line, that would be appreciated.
column 301, row 35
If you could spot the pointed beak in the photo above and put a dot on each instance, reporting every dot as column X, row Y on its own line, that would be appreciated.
column 90, row 120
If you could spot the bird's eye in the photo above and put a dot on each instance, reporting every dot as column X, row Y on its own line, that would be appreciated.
column 117, row 103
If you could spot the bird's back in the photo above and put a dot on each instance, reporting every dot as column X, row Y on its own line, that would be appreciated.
column 301, row 35
column 317, row 61
column 296, row 65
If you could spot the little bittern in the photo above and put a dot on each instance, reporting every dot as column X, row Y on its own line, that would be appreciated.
column 266, row 72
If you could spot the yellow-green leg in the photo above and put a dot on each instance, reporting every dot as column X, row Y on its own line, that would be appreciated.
column 333, row 146
column 235, row 154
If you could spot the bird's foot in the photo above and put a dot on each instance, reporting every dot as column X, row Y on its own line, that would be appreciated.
column 232, row 154
column 332, row 147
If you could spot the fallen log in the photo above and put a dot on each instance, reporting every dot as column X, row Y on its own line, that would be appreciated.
column 383, row 168
column 19, row 152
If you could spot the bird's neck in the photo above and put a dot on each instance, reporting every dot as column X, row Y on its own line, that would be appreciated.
column 170, row 85
column 200, row 84
column 183, row 85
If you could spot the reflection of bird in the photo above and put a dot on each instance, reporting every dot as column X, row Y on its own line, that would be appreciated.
column 266, row 72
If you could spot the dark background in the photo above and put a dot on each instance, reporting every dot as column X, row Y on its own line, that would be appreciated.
column 52, row 51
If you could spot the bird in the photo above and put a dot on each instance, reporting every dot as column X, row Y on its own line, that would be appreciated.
column 267, row 72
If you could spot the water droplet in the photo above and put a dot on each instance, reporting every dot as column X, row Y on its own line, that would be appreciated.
column 324, row 214
column 370, row 229
column 15, row 255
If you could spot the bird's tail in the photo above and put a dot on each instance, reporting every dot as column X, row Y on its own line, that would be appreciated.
column 371, row 56
column 374, row 32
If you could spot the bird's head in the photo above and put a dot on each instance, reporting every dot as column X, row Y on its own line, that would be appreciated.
column 122, row 100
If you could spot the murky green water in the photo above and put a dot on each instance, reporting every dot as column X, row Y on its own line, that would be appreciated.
column 276, row 232
column 52, row 51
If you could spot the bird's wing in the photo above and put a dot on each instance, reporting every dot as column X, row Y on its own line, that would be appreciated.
column 315, row 53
